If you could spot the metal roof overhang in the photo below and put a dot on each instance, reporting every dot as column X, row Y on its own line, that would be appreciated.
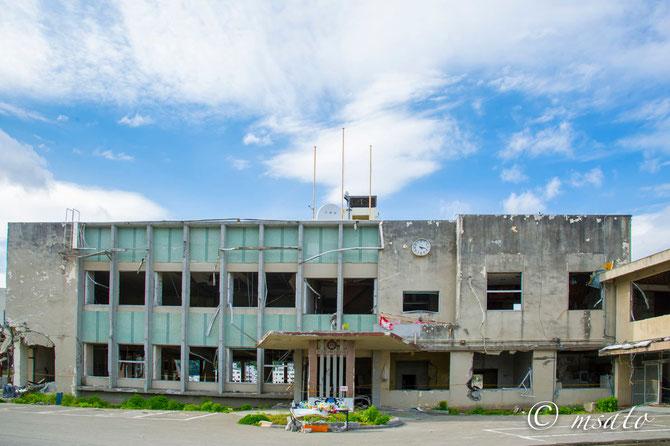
column 295, row 340
column 647, row 346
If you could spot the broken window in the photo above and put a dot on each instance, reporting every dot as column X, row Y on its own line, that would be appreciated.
column 204, row 289
column 203, row 364
column 580, row 370
column 96, row 360
column 245, row 289
column 504, row 370
column 420, row 371
column 244, row 368
column 168, row 289
column 582, row 296
column 420, row 301
column 97, row 287
column 358, row 296
column 280, row 290
column 650, row 297
column 503, row 291
column 43, row 364
column 321, row 296
column 131, row 361
column 278, row 365
column 131, row 288
column 169, row 358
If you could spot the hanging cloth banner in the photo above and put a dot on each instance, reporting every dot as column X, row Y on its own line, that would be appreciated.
column 385, row 323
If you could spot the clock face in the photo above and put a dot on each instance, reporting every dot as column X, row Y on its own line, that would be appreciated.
column 420, row 247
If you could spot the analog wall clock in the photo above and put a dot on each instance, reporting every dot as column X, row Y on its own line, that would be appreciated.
column 420, row 247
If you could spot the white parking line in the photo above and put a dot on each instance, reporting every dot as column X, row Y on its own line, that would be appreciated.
column 514, row 435
column 199, row 416
column 150, row 415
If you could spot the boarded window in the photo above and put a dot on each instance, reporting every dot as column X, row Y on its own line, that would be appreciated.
column 581, row 295
column 503, row 291
column 420, row 301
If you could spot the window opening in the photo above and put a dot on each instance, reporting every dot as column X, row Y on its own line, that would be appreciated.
column 583, row 369
column 506, row 370
column 203, row 364
column 650, row 297
column 503, row 291
column 280, row 290
column 170, row 358
column 321, row 296
column 97, row 287
column 420, row 371
column 131, row 288
column 245, row 289
column 131, row 361
column 169, row 288
column 581, row 296
column 279, row 367
column 204, row 289
column 244, row 368
column 358, row 296
column 420, row 301
column 99, row 357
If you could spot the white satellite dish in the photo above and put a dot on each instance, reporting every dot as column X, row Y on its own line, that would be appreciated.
column 329, row 211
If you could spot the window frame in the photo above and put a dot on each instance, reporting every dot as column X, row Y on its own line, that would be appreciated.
column 429, row 293
column 518, row 291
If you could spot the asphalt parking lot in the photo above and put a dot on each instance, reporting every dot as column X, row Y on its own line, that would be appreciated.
column 50, row 425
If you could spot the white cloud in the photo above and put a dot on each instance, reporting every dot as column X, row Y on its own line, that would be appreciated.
column 136, row 121
column 239, row 164
column 650, row 233
column 28, row 192
column 648, row 111
column 524, row 203
column 251, row 138
column 109, row 155
column 513, row 174
column 62, row 118
column 594, row 177
column 653, row 165
column 451, row 209
column 660, row 190
column 553, row 188
column 552, row 140
column 25, row 115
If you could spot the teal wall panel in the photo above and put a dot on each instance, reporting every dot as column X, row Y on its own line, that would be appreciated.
column 95, row 326
column 316, row 322
column 279, row 322
column 283, row 236
column 204, row 244
column 242, row 236
column 99, row 238
column 129, row 327
column 234, row 337
column 132, row 238
column 363, row 236
column 318, row 240
column 360, row 322
column 197, row 330
column 168, row 244
column 166, row 328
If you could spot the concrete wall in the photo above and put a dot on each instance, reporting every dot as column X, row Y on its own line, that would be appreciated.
column 42, row 293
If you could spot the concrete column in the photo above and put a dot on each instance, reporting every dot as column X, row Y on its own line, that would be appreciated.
column 185, row 303
column 351, row 367
column 460, row 364
column 21, row 363
column 622, row 374
column 81, row 298
column 112, row 347
column 297, row 377
column 311, row 380
column 261, row 306
column 340, row 278
column 148, row 307
column 299, row 297
column 544, row 372
column 223, row 305
column 377, row 365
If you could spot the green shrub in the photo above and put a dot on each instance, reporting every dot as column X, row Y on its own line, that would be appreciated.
column 476, row 411
column 610, row 404
column 253, row 419
column 245, row 407
column 442, row 405
column 68, row 400
column 207, row 406
column 191, row 407
column 157, row 402
column 135, row 402
column 175, row 405
column 372, row 416
column 453, row 411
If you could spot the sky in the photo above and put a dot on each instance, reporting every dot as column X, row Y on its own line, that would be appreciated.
column 133, row 110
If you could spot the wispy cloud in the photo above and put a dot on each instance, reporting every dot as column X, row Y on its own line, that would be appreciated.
column 593, row 177
column 451, row 209
column 62, row 118
column 135, row 121
column 21, row 113
column 556, row 140
column 653, row 164
column 259, row 140
column 660, row 190
column 513, row 174
column 239, row 164
column 650, row 232
column 112, row 156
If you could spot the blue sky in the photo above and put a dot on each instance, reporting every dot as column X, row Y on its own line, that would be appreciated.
column 187, row 110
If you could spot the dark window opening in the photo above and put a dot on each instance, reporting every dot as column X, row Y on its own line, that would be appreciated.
column 280, row 290
column 131, row 361
column 99, row 360
column 582, row 296
column 204, row 289
column 203, row 364
column 420, row 371
column 583, row 369
column 97, row 287
column 420, row 301
column 131, row 288
column 321, row 296
column 245, row 289
column 503, row 291
column 363, row 377
column 44, row 364
column 650, row 297
column 244, row 368
column 279, row 367
column 506, row 370
column 170, row 289
column 170, row 358
column 358, row 296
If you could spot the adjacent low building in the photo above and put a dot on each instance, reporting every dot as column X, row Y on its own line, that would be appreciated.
column 490, row 310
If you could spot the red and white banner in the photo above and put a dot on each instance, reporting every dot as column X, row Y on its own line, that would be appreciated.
column 385, row 323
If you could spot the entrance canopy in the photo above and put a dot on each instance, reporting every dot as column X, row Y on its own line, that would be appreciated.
column 294, row 340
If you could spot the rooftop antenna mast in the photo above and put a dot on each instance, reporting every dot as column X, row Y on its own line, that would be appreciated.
column 314, row 188
column 342, row 194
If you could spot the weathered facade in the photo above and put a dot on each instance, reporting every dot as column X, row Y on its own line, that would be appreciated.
column 291, row 309
column 640, row 295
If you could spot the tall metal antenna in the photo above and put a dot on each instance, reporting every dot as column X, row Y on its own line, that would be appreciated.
column 314, row 188
column 342, row 194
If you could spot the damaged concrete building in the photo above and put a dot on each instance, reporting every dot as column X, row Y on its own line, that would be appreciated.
column 490, row 310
